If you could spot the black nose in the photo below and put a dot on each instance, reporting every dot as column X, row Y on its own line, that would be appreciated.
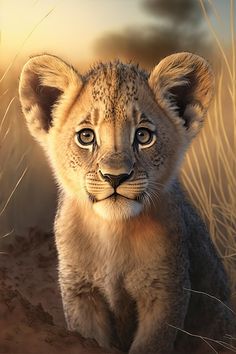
column 116, row 180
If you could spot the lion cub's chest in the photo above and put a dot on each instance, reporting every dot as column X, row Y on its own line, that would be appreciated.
column 125, row 258
column 109, row 276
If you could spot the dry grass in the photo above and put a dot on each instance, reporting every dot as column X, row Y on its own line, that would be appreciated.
column 21, row 177
column 17, row 156
column 9, row 179
column 209, row 341
column 210, row 168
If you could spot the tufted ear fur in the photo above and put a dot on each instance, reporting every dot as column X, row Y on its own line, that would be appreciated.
column 183, row 86
column 46, row 80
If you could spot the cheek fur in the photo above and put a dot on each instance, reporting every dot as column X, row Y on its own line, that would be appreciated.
column 78, row 158
column 153, row 157
column 159, row 155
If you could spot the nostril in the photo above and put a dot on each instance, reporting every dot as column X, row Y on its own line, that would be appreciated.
column 116, row 180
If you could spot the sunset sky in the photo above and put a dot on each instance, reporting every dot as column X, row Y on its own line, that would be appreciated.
column 73, row 26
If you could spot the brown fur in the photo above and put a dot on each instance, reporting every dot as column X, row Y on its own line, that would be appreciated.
column 125, row 262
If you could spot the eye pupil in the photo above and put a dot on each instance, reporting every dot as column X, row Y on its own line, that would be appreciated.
column 141, row 134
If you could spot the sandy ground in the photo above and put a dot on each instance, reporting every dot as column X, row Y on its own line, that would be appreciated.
column 31, row 317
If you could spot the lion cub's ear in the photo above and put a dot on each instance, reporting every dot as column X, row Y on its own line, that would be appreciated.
column 46, row 80
column 183, row 85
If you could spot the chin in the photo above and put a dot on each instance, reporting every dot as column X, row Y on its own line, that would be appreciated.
column 118, row 208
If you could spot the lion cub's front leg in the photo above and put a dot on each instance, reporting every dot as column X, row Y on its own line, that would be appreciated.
column 85, row 309
column 161, row 305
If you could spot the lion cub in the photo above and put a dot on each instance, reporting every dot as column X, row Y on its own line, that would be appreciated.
column 130, row 246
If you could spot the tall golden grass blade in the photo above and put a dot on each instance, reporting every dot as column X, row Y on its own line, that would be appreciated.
column 216, row 13
column 206, row 340
column 232, row 30
column 211, row 297
column 7, row 234
column 13, row 191
column 6, row 112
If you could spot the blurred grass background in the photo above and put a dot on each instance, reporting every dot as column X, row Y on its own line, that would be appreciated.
column 143, row 31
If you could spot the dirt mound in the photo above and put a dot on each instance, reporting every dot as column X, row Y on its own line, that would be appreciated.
column 28, row 329
column 28, row 281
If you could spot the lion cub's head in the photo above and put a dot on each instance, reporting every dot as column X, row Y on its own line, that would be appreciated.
column 115, row 136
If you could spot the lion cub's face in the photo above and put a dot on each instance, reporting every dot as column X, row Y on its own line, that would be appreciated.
column 114, row 148
column 114, row 137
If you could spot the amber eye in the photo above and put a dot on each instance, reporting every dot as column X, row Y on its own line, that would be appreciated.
column 85, row 137
column 144, row 136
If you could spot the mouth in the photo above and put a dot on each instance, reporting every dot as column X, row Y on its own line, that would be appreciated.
column 112, row 197
column 115, row 196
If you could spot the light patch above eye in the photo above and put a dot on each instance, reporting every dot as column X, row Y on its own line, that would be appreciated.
column 143, row 119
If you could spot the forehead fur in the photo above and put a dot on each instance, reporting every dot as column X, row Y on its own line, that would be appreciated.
column 117, row 71
column 113, row 78
column 115, row 84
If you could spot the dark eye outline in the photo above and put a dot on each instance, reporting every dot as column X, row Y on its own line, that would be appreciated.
column 151, row 136
column 80, row 140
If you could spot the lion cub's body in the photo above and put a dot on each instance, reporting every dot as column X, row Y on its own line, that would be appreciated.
column 133, row 253
column 114, row 262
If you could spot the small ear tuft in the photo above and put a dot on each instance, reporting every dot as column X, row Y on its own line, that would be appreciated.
column 183, row 86
column 44, row 80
